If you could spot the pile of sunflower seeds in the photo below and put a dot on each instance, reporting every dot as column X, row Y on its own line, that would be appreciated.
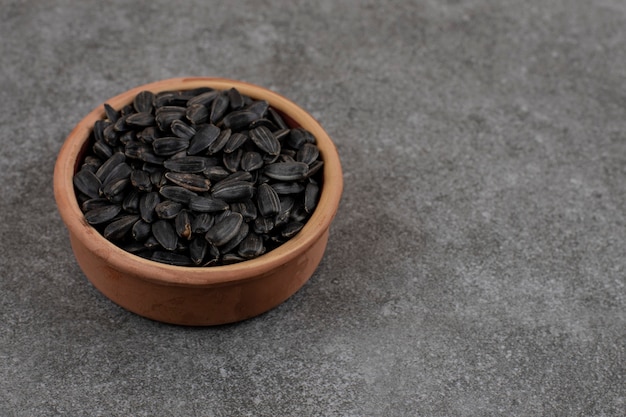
column 198, row 177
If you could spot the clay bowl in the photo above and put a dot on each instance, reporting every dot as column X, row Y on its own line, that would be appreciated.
column 198, row 295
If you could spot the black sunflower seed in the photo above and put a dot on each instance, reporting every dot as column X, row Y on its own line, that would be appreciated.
column 113, row 190
column 103, row 214
column 259, row 107
column 287, row 171
column 147, row 204
column 140, row 179
column 311, row 194
column 232, row 160
column 207, row 204
column 87, row 183
column 236, row 240
column 144, row 119
column 182, row 224
column 164, row 233
column 130, row 204
column 239, row 120
column 201, row 223
column 223, row 231
column 109, row 164
column 308, row 153
column 267, row 201
column 171, row 258
column 204, row 99
column 197, row 113
column 111, row 113
column 265, row 140
column 251, row 246
column 192, row 182
column 204, row 137
column 117, row 229
column 176, row 193
column 235, row 142
column 182, row 129
column 234, row 191
column 143, row 102
column 216, row 173
column 218, row 108
column 168, row 209
column 235, row 99
column 169, row 145
column 251, row 161
column 276, row 118
column 141, row 230
column 197, row 250
column 283, row 188
column 219, row 142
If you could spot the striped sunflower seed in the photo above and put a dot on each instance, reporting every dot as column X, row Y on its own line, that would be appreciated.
column 182, row 224
column 218, row 108
column 204, row 137
column 235, row 241
column 239, row 120
column 265, row 140
column 144, row 119
column 103, row 214
column 140, row 179
column 267, row 201
column 204, row 99
column 87, row 183
column 169, row 145
column 141, row 230
column 225, row 230
column 235, row 99
column 147, row 204
column 311, row 194
column 130, row 204
column 205, row 204
column 251, row 246
column 201, row 223
column 168, row 209
column 251, row 161
column 176, row 193
column 198, row 250
column 182, row 129
column 308, row 153
column 192, row 182
column 234, row 191
column 109, row 164
column 164, row 233
column 232, row 160
column 287, row 171
column 143, row 102
column 117, row 229
column 219, row 143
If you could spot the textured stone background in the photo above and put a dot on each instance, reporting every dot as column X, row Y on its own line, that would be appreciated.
column 476, row 265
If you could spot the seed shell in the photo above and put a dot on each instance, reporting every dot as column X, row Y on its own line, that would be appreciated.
column 225, row 230
column 165, row 234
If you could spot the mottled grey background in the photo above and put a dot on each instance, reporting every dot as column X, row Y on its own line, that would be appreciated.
column 476, row 266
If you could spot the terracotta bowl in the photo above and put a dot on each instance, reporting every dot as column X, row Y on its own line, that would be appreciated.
column 198, row 295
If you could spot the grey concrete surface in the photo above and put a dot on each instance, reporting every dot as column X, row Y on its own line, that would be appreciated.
column 476, row 266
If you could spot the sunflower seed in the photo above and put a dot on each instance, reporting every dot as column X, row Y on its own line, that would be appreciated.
column 93, row 203
column 218, row 107
column 235, row 241
column 219, row 142
column 121, row 125
column 235, row 98
column 117, row 229
column 283, row 188
column 182, row 129
column 171, row 258
column 189, row 164
column 251, row 161
column 141, row 180
column 147, row 204
column 169, row 145
column 235, row 142
column 298, row 137
column 267, row 200
column 176, row 193
column 122, row 170
column 143, row 102
column 216, row 173
column 164, row 233
column 308, row 153
column 204, row 137
column 235, row 176
column 276, row 118
column 141, row 230
column 140, row 120
column 265, row 123
column 182, row 224
column 207, row 204
column 287, row 171
column 204, row 99
column 298, row 213
column 225, row 230
column 281, row 134
column 111, row 113
column 259, row 107
column 263, row 225
column 232, row 160
column 103, row 214
column 314, row 168
column 149, row 134
column 151, row 242
column 105, row 169
column 239, row 120
column 197, row 250
column 87, row 183
column 291, row 229
column 130, row 204
column 113, row 190
column 167, row 114
column 251, row 246
column 102, row 150
column 201, row 223
column 197, row 113
column 265, row 140
column 311, row 194
column 234, row 191
column 168, row 209
column 98, row 129
column 110, row 135
column 192, row 182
